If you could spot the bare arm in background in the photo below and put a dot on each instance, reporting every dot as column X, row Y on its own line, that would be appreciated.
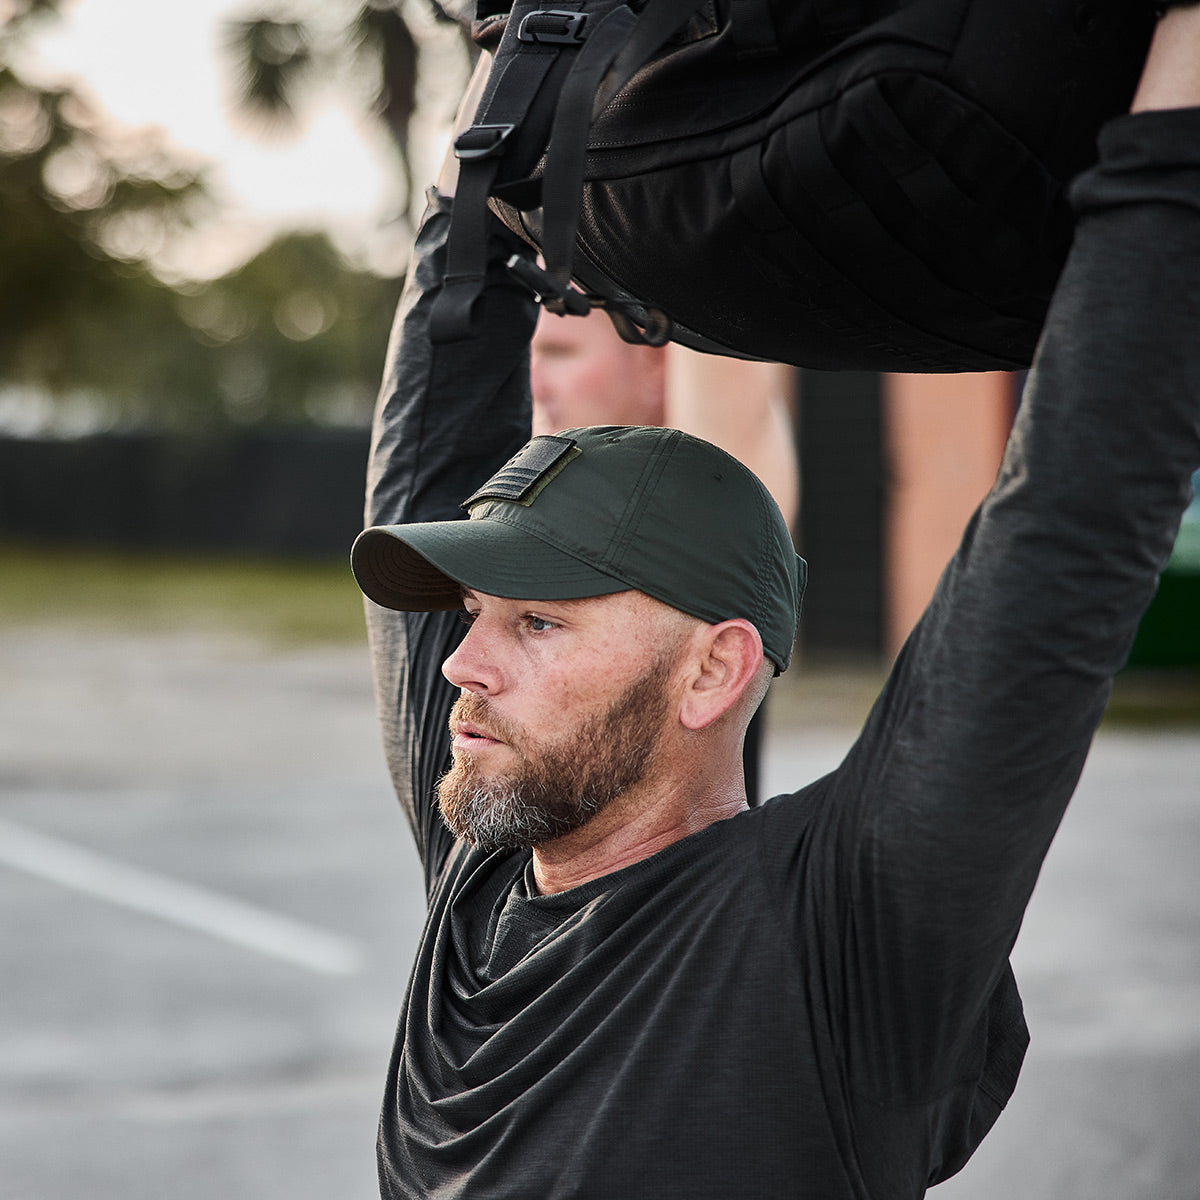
column 745, row 408
column 1171, row 76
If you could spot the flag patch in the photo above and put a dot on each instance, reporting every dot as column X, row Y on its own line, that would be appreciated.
column 523, row 477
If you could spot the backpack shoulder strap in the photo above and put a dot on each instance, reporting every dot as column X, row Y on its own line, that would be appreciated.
column 533, row 41
column 610, row 50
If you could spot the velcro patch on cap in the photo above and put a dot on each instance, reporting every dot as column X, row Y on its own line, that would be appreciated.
column 522, row 478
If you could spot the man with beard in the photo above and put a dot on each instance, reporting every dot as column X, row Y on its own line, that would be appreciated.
column 630, row 983
column 555, row 786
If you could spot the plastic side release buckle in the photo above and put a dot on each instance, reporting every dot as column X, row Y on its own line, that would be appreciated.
column 561, row 300
column 553, row 27
column 481, row 141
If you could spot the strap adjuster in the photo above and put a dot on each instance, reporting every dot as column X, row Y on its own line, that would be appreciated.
column 553, row 27
column 481, row 141
column 561, row 300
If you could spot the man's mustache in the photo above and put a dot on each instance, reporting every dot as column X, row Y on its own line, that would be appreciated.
column 473, row 709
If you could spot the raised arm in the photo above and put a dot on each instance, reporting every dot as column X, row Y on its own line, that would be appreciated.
column 447, row 417
column 939, row 819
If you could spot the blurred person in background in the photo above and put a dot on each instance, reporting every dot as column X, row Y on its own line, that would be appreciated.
column 583, row 373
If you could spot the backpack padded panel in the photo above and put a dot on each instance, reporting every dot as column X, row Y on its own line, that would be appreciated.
column 883, row 188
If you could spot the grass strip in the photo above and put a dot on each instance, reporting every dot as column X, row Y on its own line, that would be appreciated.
column 281, row 601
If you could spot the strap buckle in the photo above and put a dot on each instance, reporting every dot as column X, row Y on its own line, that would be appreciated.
column 568, row 301
column 481, row 141
column 553, row 27
column 560, row 300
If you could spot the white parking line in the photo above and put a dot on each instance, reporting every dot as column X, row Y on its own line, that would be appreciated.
column 183, row 903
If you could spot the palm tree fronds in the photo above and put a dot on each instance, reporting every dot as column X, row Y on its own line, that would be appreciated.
column 272, row 59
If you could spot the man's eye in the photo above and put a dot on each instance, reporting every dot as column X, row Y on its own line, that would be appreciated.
column 538, row 624
column 467, row 618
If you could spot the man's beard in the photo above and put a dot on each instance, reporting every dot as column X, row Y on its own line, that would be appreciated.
column 561, row 784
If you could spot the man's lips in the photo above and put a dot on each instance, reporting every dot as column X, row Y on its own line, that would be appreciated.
column 469, row 735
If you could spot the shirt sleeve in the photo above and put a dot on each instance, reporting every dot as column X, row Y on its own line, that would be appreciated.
column 920, row 853
column 447, row 418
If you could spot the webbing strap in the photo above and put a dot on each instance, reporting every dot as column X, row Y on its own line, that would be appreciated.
column 612, row 54
column 625, row 44
column 480, row 149
column 658, row 21
column 466, row 255
column 567, row 148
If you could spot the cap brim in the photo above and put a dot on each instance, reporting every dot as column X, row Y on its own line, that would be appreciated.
column 424, row 567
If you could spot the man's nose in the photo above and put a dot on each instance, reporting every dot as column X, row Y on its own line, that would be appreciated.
column 472, row 666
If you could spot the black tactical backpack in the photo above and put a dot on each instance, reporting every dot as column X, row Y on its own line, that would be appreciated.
column 874, row 184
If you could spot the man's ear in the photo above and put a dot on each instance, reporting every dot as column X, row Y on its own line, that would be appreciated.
column 725, row 659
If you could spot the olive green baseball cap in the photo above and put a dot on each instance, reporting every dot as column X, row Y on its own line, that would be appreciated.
column 589, row 512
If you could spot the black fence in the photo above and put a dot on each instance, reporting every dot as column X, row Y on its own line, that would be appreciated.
column 293, row 493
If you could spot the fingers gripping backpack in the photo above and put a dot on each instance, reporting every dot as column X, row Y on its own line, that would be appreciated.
column 870, row 184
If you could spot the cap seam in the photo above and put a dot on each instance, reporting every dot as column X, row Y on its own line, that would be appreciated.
column 635, row 512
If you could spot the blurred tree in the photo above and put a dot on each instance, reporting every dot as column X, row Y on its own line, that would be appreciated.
column 83, row 211
column 296, row 334
column 293, row 335
column 285, row 49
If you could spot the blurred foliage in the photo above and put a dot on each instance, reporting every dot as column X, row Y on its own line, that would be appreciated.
column 82, row 211
column 372, row 49
column 293, row 335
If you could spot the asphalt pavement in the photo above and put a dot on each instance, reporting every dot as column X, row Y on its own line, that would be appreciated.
column 210, row 904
